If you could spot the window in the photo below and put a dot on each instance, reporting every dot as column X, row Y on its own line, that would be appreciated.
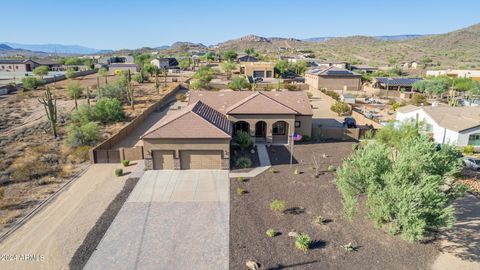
column 269, row 74
column 278, row 128
column 474, row 140
column 298, row 124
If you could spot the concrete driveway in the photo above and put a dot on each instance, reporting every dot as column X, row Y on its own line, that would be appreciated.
column 173, row 219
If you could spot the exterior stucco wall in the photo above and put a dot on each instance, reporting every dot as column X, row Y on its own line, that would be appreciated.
column 317, row 82
column 464, row 136
column 305, row 125
column 186, row 144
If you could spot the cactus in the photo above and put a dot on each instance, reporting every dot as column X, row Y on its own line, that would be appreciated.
column 50, row 104
column 88, row 94
column 130, row 91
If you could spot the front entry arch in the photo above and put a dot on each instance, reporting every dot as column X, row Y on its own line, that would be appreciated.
column 241, row 126
column 280, row 132
column 261, row 129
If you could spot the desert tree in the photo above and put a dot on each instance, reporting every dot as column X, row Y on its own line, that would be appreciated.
column 229, row 67
column 229, row 55
column 103, row 72
column 239, row 83
column 41, row 71
column 130, row 90
column 75, row 90
column 50, row 104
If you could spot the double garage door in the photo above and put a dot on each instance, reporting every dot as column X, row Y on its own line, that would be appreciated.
column 189, row 159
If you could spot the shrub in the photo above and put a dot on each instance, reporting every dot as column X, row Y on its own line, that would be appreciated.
column 468, row 150
column 309, row 95
column 319, row 220
column 197, row 84
column 109, row 110
column 241, row 179
column 330, row 168
column 27, row 170
column 271, row 233
column 297, row 171
column 239, row 83
column 243, row 139
column 181, row 97
column 272, row 170
column 140, row 77
column 74, row 90
column 348, row 247
column 125, row 162
column 31, row 83
column 243, row 162
column 118, row 172
column 341, row 108
column 302, row 242
column 241, row 191
column 84, row 114
column 418, row 99
column 333, row 95
column 277, row 206
column 81, row 135
column 305, row 138
column 110, row 91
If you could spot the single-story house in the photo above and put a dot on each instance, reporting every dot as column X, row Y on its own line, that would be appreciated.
column 117, row 59
column 340, row 64
column 246, row 58
column 28, row 65
column 456, row 73
column 167, row 63
column 333, row 78
column 258, row 69
column 459, row 126
column 122, row 67
column 395, row 83
column 364, row 68
column 198, row 136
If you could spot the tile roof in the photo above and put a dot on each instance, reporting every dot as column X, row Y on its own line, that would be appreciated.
column 195, row 121
column 224, row 101
column 331, row 71
column 453, row 118
column 397, row 81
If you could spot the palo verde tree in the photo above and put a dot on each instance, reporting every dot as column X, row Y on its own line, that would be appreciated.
column 239, row 83
column 229, row 55
column 228, row 67
column 74, row 90
column 410, row 184
column 50, row 103
column 41, row 71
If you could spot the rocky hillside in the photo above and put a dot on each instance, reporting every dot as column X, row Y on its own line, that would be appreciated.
column 261, row 43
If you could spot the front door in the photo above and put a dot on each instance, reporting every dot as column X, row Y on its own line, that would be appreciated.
column 261, row 129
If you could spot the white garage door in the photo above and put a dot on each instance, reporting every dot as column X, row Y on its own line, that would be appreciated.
column 200, row 159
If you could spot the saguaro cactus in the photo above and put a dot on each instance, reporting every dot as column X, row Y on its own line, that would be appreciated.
column 50, row 105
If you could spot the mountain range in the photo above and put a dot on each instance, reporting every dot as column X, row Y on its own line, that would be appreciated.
column 54, row 48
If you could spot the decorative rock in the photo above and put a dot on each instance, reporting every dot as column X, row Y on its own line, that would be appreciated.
column 292, row 234
column 252, row 265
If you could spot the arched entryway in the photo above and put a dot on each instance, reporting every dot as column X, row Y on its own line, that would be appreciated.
column 280, row 132
column 261, row 130
column 241, row 126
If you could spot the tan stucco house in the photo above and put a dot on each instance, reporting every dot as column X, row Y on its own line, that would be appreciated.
column 333, row 78
column 258, row 69
column 198, row 136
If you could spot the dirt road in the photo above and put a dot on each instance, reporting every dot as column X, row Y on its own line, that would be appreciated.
column 54, row 234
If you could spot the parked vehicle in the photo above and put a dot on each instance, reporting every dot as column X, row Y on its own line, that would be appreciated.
column 472, row 163
column 257, row 79
column 349, row 122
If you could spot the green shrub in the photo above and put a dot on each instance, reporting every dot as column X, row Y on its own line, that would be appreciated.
column 277, row 206
column 79, row 154
column 297, row 171
column 31, row 83
column 84, row 114
column 241, row 179
column 31, row 170
column 243, row 162
column 319, row 220
column 305, row 138
column 341, row 108
column 109, row 110
column 348, row 247
column 243, row 139
column 239, row 83
column 333, row 95
column 119, row 172
column 125, row 162
column 81, row 135
column 272, row 170
column 181, row 97
column 271, row 233
column 241, row 191
column 302, row 242
column 110, row 91
column 468, row 150
column 330, row 168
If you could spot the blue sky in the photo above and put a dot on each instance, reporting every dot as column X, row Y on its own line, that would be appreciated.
column 107, row 24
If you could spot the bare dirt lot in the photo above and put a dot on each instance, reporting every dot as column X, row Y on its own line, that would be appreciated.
column 305, row 198
column 34, row 164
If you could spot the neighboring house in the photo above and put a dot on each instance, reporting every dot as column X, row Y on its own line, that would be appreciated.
column 364, row 68
column 399, row 83
column 410, row 65
column 459, row 126
column 456, row 73
column 341, row 65
column 27, row 65
column 122, row 67
column 333, row 78
column 165, row 63
column 198, row 136
column 258, row 69
column 116, row 60
column 246, row 58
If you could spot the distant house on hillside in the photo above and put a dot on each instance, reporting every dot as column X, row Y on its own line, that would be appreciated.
column 257, row 69
column 333, row 78
column 456, row 73
column 166, row 63
column 339, row 64
column 410, row 65
column 27, row 65
column 395, row 83
column 459, row 126
column 364, row 68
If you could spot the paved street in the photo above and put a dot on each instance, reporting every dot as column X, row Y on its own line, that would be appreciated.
column 173, row 219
